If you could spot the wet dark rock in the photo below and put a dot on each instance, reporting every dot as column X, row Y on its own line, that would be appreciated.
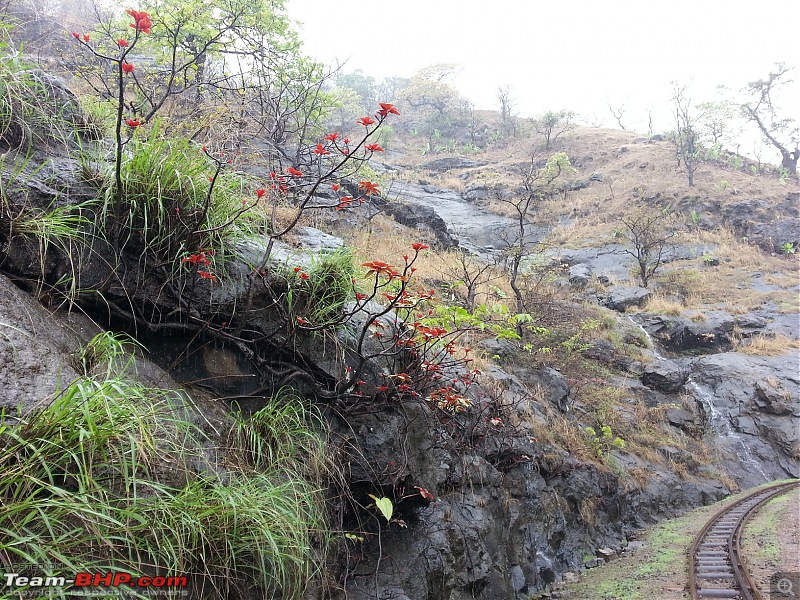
column 665, row 376
column 756, row 399
column 682, row 419
column 477, row 193
column 452, row 162
column 418, row 216
column 622, row 297
column 709, row 330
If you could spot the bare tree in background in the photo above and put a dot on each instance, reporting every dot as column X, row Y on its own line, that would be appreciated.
column 539, row 183
column 618, row 113
column 507, row 105
column 686, row 137
column 471, row 272
column 649, row 233
column 781, row 133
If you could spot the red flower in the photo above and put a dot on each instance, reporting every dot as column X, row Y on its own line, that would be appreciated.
column 365, row 121
column 197, row 259
column 135, row 123
column 335, row 187
column 142, row 20
column 122, row 43
column 332, row 137
column 422, row 491
column 382, row 388
column 320, row 150
column 304, row 276
column 86, row 37
column 76, row 35
column 127, row 67
column 302, row 321
column 207, row 275
column 260, row 193
column 369, row 188
column 297, row 269
column 418, row 246
column 373, row 148
column 294, row 172
column 346, row 141
column 387, row 109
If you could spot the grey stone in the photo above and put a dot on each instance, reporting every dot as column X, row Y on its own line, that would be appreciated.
column 518, row 579
column 622, row 297
column 665, row 376
column 579, row 275
column 606, row 553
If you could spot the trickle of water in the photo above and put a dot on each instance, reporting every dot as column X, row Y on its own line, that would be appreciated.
column 722, row 427
column 651, row 344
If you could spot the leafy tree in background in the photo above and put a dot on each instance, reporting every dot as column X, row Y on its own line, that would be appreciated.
column 552, row 124
column 760, row 108
column 437, row 109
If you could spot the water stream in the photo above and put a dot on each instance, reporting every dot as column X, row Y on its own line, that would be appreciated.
column 650, row 341
column 721, row 425
column 479, row 231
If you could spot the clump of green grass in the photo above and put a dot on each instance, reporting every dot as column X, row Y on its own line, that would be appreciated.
column 109, row 477
column 170, row 208
column 321, row 297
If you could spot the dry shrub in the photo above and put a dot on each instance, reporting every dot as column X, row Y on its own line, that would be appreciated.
column 766, row 345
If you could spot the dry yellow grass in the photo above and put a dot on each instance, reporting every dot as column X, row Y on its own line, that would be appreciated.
column 764, row 345
column 662, row 304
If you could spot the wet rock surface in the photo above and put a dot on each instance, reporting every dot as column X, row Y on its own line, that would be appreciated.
column 752, row 403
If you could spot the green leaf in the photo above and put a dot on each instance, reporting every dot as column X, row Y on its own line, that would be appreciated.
column 385, row 506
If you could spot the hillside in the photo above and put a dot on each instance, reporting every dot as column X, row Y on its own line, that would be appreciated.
column 326, row 368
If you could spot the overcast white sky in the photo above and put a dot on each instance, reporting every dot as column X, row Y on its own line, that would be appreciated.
column 579, row 55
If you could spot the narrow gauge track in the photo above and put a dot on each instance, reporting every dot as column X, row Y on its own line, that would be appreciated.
column 715, row 565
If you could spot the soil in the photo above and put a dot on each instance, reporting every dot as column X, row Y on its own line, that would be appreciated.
column 771, row 541
column 658, row 571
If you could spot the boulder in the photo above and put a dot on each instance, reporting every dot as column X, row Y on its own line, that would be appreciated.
column 550, row 384
column 621, row 298
column 579, row 275
column 39, row 351
column 665, row 376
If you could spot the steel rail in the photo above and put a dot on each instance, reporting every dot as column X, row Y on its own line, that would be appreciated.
column 715, row 553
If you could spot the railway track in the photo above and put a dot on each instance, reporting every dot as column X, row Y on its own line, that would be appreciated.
column 716, row 569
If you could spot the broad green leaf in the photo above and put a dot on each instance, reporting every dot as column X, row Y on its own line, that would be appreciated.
column 385, row 506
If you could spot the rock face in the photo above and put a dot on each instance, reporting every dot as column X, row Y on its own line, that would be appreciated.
column 709, row 330
column 752, row 403
column 503, row 522
column 767, row 223
column 38, row 358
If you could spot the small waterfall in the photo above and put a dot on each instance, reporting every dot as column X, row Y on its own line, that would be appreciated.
column 721, row 425
column 650, row 342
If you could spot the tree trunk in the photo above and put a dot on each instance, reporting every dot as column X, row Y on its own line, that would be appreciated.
column 789, row 161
